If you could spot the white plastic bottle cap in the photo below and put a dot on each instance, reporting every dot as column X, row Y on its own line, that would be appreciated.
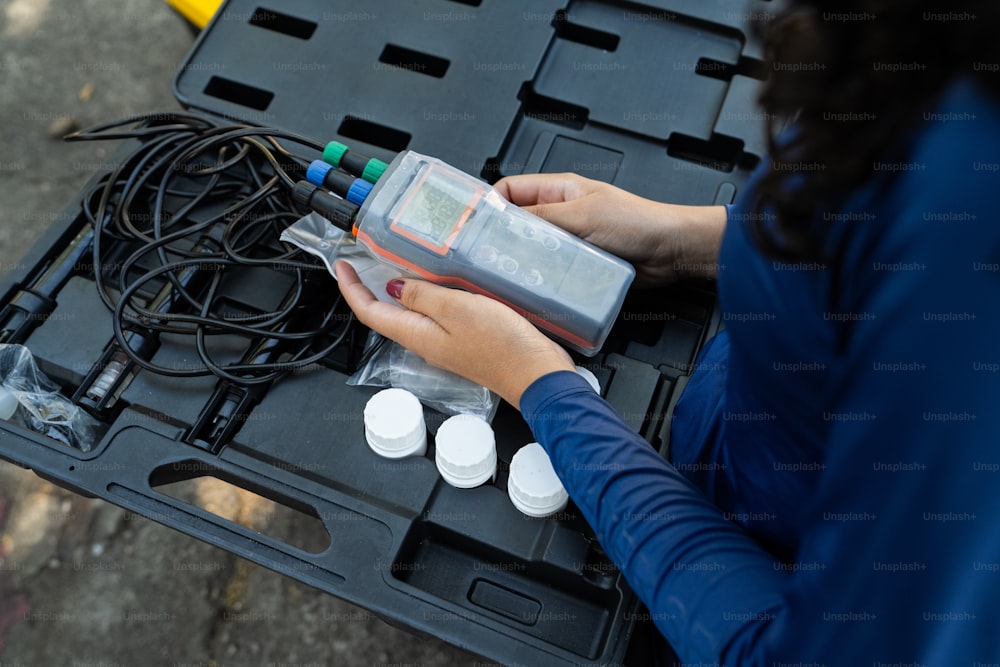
column 533, row 486
column 394, row 424
column 8, row 404
column 466, row 452
column 589, row 377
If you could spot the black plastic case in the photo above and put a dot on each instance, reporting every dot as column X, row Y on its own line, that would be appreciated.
column 654, row 97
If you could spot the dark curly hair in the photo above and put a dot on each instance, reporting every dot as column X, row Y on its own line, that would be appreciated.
column 854, row 76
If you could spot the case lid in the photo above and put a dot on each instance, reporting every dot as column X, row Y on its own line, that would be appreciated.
column 8, row 403
column 533, row 485
column 466, row 453
column 394, row 424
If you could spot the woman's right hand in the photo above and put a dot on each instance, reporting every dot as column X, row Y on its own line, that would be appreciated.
column 664, row 242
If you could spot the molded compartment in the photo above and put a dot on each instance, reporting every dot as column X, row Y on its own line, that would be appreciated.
column 647, row 83
column 436, row 77
column 528, row 598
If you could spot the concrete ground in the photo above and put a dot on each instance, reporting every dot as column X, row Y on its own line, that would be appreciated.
column 81, row 581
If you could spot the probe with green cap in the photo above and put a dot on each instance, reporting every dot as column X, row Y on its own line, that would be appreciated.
column 339, row 155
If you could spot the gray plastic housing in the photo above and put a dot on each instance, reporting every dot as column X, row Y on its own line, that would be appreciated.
column 437, row 222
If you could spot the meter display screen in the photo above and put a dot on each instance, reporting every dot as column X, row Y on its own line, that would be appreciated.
column 435, row 211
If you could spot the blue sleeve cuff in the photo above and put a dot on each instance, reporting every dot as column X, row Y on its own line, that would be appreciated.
column 549, row 388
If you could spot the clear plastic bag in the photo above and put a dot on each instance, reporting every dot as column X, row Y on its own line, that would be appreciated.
column 392, row 365
column 317, row 236
column 40, row 407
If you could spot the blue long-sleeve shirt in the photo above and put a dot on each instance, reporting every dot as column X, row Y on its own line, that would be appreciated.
column 834, row 497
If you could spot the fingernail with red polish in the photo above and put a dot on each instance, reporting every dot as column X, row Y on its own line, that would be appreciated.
column 394, row 288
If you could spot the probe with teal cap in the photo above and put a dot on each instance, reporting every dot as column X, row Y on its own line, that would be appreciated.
column 339, row 155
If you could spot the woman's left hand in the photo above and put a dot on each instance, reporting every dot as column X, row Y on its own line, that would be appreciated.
column 468, row 334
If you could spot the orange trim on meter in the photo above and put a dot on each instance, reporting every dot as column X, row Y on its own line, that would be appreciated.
column 445, row 246
column 452, row 281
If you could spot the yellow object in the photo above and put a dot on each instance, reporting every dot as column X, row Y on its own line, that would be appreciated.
column 198, row 12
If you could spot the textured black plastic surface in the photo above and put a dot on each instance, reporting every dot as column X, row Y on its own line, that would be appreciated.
column 654, row 97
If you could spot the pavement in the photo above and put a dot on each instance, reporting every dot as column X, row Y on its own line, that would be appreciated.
column 82, row 582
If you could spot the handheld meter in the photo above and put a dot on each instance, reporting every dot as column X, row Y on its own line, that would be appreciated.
column 437, row 222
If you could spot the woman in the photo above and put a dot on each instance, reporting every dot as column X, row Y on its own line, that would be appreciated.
column 840, row 438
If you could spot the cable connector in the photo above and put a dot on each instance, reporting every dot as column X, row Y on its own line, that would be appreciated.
column 354, row 190
column 368, row 168
column 338, row 211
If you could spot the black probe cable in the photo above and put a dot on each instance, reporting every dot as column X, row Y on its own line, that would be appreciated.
column 196, row 149
column 202, row 325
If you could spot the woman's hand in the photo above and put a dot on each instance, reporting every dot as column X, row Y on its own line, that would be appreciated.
column 663, row 242
column 468, row 334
